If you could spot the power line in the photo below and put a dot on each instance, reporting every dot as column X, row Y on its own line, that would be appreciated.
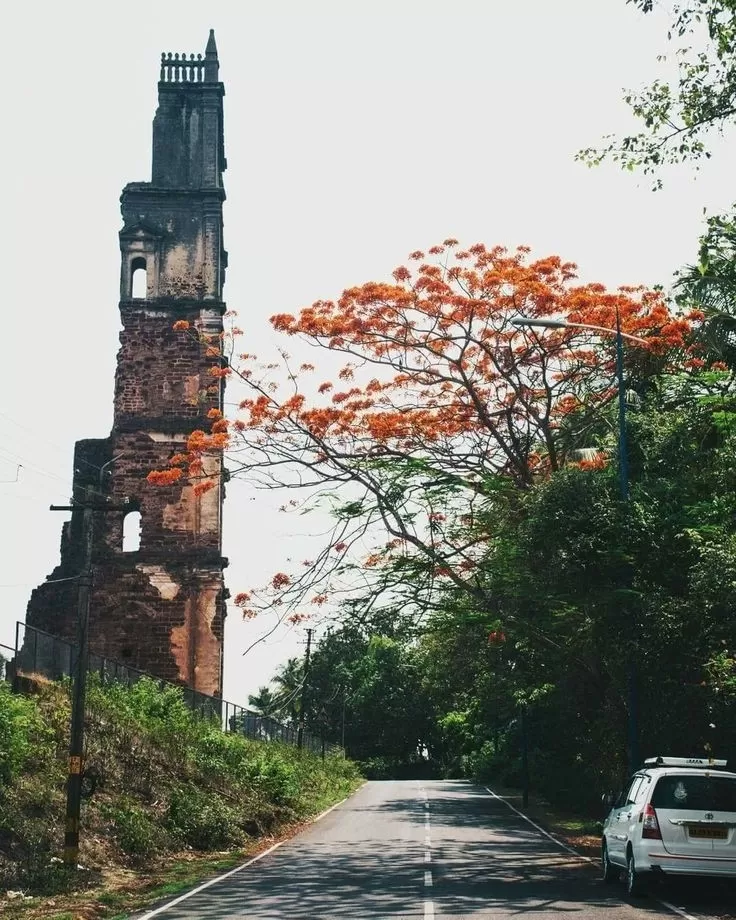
column 46, row 440
column 29, row 465
column 18, row 468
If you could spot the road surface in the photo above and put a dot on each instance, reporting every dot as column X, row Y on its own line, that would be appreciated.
column 427, row 851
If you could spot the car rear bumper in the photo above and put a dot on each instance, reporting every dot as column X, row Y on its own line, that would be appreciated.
column 724, row 866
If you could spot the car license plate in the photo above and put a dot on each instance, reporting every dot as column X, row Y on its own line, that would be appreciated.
column 708, row 833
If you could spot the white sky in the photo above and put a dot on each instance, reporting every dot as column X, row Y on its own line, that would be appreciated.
column 356, row 132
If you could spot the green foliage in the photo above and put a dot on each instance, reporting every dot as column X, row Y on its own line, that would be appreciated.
column 710, row 286
column 369, row 683
column 25, row 742
column 203, row 821
column 136, row 829
column 264, row 702
column 677, row 117
column 288, row 680
column 276, row 777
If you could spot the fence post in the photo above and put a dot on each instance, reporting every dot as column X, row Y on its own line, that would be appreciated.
column 15, row 660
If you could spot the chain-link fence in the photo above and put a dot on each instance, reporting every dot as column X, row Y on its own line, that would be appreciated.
column 38, row 652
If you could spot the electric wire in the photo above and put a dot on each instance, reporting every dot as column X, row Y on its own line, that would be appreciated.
column 46, row 440
column 29, row 465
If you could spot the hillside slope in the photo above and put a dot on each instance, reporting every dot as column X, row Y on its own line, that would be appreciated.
column 165, row 785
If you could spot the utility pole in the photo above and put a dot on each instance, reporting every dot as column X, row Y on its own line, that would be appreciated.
column 623, row 481
column 303, row 712
column 524, row 758
column 342, row 729
column 79, row 689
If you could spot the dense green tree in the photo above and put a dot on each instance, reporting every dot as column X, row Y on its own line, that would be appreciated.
column 710, row 286
column 366, row 688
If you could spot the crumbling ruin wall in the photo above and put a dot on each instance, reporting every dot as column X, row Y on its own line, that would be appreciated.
column 159, row 606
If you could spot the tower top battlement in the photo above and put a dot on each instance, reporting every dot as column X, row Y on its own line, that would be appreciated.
column 177, row 68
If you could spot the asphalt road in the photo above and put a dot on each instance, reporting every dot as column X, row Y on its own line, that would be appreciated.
column 428, row 850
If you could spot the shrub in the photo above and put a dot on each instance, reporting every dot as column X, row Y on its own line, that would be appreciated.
column 273, row 775
column 202, row 820
column 135, row 829
column 24, row 739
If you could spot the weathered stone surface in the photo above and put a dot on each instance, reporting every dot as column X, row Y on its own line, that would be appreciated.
column 161, row 606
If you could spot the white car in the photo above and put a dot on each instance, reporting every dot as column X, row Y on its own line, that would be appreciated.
column 676, row 817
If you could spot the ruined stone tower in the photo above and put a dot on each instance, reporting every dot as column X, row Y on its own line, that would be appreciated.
column 159, row 606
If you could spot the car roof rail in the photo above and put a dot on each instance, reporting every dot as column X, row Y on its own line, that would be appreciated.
column 705, row 762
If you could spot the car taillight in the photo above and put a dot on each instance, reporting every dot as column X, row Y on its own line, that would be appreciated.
column 650, row 825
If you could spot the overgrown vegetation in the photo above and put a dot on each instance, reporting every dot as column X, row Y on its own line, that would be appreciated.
column 162, row 781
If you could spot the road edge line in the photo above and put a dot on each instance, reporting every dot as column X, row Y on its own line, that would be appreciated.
column 245, row 865
column 541, row 830
column 675, row 910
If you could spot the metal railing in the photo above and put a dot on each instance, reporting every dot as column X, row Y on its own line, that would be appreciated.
column 38, row 652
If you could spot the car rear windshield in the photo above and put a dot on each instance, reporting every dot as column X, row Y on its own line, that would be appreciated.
column 697, row 793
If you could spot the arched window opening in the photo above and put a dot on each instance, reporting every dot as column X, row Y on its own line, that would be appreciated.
column 139, row 279
column 132, row 532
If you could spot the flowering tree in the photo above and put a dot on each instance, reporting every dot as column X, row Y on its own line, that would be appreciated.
column 439, row 407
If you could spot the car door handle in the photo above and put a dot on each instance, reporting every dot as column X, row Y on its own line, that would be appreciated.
column 624, row 817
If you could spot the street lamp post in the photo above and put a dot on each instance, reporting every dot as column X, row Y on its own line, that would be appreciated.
column 623, row 477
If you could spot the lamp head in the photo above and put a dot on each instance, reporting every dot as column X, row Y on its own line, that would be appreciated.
column 539, row 323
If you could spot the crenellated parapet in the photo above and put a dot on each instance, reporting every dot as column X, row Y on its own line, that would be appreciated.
column 175, row 69
column 178, row 68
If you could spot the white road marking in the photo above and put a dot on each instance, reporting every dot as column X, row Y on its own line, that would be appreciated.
column 538, row 828
column 220, row 878
column 428, row 904
column 675, row 910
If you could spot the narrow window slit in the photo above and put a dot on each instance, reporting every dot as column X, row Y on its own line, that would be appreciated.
column 132, row 532
column 139, row 279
